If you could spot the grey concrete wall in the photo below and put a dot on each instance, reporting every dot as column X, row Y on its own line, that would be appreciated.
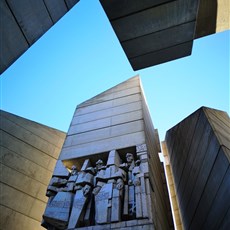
column 163, row 213
column 199, row 152
column 111, row 120
column 28, row 155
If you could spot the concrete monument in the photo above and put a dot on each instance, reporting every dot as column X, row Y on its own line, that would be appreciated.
column 119, row 182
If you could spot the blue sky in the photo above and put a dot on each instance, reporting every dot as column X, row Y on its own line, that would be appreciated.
column 80, row 56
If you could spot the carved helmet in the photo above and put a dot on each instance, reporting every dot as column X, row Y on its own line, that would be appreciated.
column 99, row 162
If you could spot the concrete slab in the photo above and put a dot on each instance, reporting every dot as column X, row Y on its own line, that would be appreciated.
column 214, row 181
column 27, row 151
column 22, row 165
column 46, row 133
column 146, row 27
column 28, row 137
column 155, row 19
column 100, row 146
column 9, row 219
column 71, row 3
column 13, row 42
column 161, row 56
column 108, row 104
column 23, row 183
column 159, row 40
column 21, row 202
column 24, row 23
column 56, row 9
column 104, row 133
column 120, row 8
column 31, row 15
column 105, row 122
column 134, row 106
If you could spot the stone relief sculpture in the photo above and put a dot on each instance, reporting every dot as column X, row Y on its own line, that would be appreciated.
column 107, row 193
column 58, row 208
column 108, row 190
column 81, row 209
column 135, row 202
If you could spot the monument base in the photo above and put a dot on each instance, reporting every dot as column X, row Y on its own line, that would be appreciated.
column 144, row 224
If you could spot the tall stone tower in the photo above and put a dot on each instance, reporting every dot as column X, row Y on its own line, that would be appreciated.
column 109, row 175
column 197, row 152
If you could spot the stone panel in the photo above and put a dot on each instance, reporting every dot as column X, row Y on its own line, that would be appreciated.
column 31, row 15
column 161, row 56
column 120, row 8
column 71, row 3
column 175, row 13
column 48, row 134
column 210, row 191
column 105, row 122
column 21, row 202
column 13, row 43
column 111, row 95
column 56, row 9
column 104, row 133
column 29, row 137
column 153, row 32
column 26, row 150
column 118, row 142
column 23, row 183
column 220, row 205
column 131, row 84
column 108, row 104
column 25, row 166
column 130, row 107
column 204, row 184
column 9, row 219
column 194, row 189
column 24, row 23
column 162, row 39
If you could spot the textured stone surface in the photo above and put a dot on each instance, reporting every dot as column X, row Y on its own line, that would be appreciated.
column 154, row 32
column 27, row 161
column 24, row 23
column 198, row 150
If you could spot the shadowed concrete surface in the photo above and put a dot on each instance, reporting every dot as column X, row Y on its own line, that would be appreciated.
column 24, row 22
column 28, row 155
column 154, row 32
column 198, row 155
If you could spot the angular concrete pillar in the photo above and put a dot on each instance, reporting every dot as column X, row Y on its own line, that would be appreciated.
column 199, row 159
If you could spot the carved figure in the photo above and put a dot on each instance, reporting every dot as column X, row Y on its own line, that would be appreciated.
column 108, row 190
column 81, row 209
column 54, row 186
column 135, row 202
column 129, row 208
column 58, row 208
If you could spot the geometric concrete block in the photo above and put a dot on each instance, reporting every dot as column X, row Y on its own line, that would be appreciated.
column 199, row 156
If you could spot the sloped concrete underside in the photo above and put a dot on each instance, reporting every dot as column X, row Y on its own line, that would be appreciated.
column 24, row 22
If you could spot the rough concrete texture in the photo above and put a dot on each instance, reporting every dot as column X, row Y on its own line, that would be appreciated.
column 28, row 156
column 154, row 32
column 24, row 23
column 199, row 158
